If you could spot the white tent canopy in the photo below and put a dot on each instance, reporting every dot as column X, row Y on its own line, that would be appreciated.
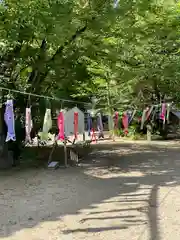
column 69, row 121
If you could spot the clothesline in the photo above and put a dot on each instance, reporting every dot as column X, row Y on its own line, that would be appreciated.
column 55, row 98
column 42, row 96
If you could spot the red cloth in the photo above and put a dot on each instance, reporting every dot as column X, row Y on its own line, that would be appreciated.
column 75, row 125
column 125, row 123
column 163, row 112
column 93, row 136
column 60, row 122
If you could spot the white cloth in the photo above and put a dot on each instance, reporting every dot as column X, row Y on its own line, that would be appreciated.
column 47, row 125
column 29, row 124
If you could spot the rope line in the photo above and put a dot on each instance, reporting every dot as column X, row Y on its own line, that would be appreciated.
column 42, row 96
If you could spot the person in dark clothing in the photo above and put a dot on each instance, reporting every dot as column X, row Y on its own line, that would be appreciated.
column 16, row 146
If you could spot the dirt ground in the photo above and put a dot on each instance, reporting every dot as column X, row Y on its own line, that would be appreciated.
column 121, row 191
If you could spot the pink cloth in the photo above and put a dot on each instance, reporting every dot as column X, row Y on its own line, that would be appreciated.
column 125, row 123
column 163, row 112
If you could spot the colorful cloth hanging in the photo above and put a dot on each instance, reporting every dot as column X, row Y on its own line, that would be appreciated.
column 163, row 112
column 60, row 122
column 75, row 125
column 149, row 112
column 89, row 122
column 132, row 116
column 154, row 114
column 110, row 122
column 116, row 119
column 139, row 115
column 100, row 125
column 143, row 119
column 29, row 125
column 125, row 122
column 47, row 125
column 167, row 112
column 129, row 113
column 93, row 136
column 9, row 120
column 116, row 2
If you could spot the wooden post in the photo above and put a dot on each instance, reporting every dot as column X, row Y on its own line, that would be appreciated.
column 52, row 151
column 149, row 133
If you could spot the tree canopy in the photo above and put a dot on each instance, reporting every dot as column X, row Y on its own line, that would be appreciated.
column 79, row 49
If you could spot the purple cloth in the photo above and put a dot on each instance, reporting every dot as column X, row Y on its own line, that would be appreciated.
column 129, row 115
column 9, row 120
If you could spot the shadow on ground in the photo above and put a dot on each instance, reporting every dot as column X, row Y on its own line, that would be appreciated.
column 132, row 174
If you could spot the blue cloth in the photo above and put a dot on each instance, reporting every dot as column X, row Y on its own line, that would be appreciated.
column 129, row 114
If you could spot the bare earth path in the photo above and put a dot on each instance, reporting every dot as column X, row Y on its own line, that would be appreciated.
column 124, row 191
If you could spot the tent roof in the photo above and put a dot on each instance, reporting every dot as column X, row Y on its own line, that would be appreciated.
column 176, row 113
